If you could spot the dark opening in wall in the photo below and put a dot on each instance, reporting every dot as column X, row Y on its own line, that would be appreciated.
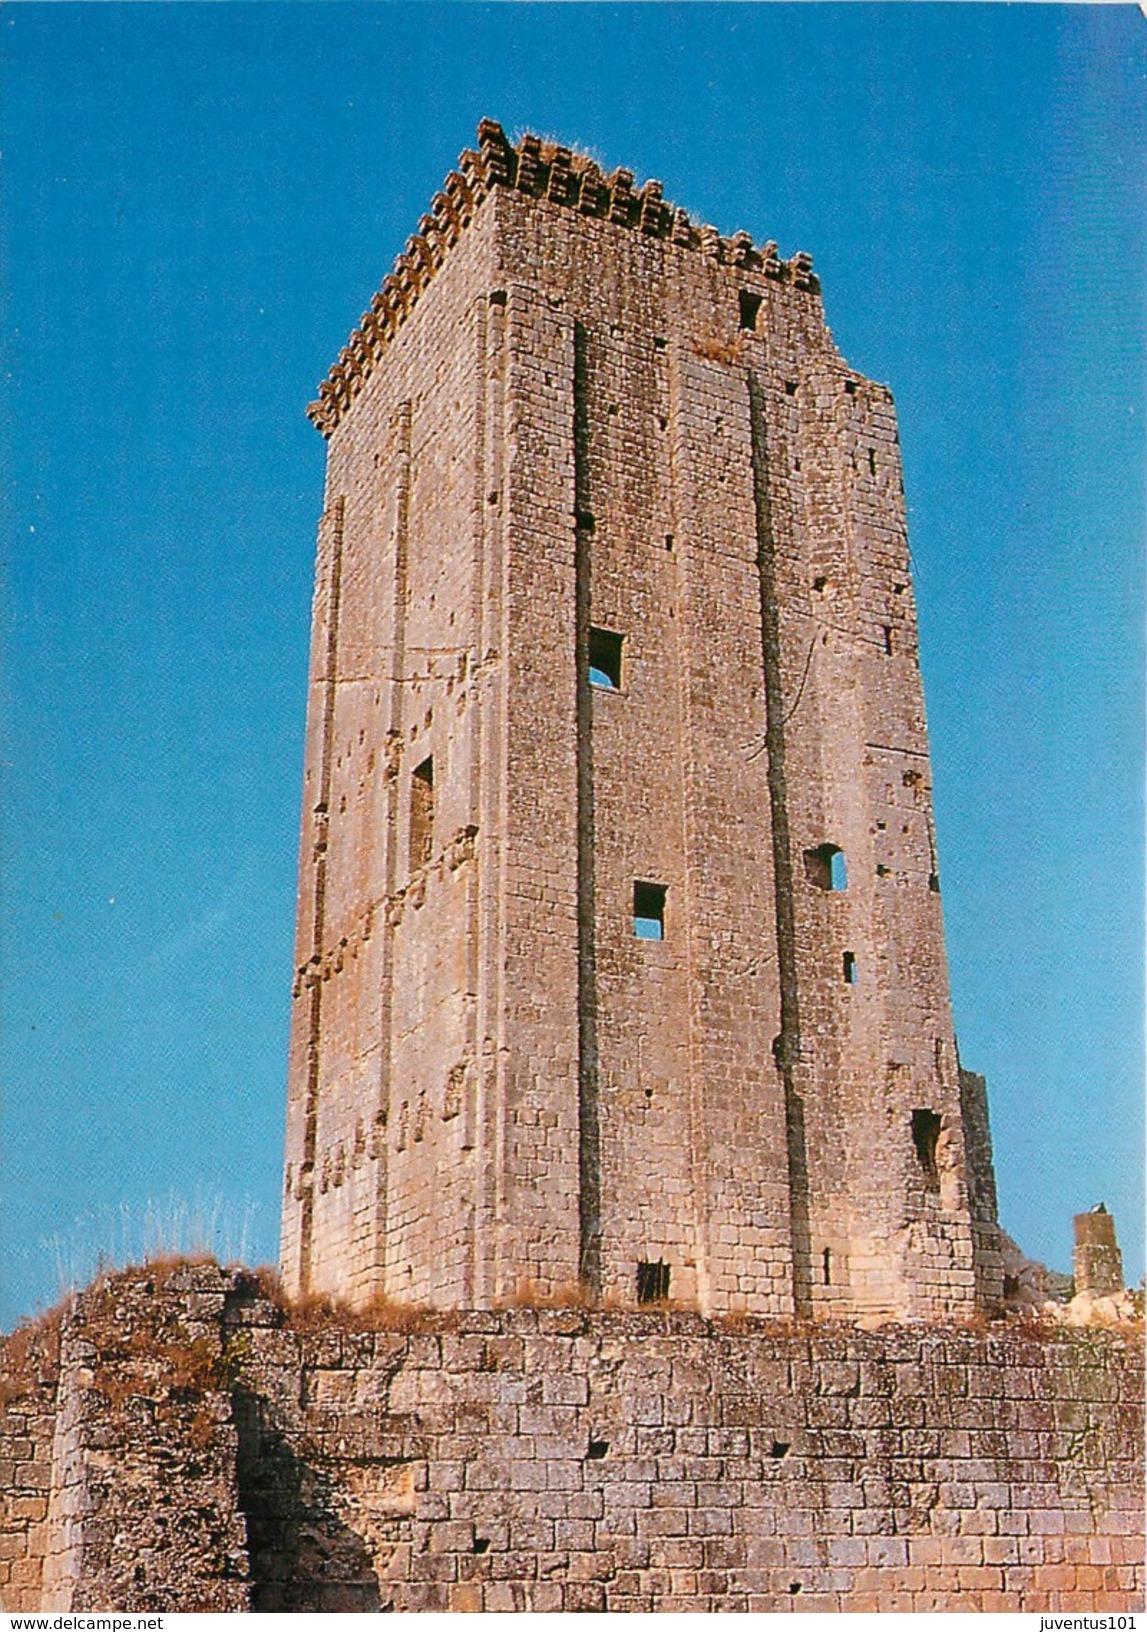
column 652, row 1282
column 850, row 968
column 605, row 659
column 790, row 388
column 826, row 1264
column 422, row 814
column 481, row 1544
column 750, row 305
column 925, row 1137
column 825, row 867
column 887, row 631
column 598, row 1450
column 872, row 461
column 648, row 911
column 779, row 1448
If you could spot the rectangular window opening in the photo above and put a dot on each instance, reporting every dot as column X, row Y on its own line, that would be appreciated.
column 422, row 814
column 926, row 1137
column 652, row 1282
column 605, row 659
column 750, row 305
column 826, row 867
column 850, row 968
column 649, row 911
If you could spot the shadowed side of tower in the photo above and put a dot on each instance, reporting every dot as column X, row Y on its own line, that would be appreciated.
column 620, row 951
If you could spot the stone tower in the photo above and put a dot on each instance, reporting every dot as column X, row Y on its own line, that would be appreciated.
column 620, row 951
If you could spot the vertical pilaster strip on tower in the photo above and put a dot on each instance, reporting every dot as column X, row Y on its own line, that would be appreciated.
column 394, row 738
column 683, row 522
column 788, row 1043
column 589, row 1123
column 322, row 831
column 477, row 943
column 491, row 771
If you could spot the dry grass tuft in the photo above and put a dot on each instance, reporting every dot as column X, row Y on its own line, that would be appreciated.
column 269, row 1283
column 319, row 1313
column 529, row 1295
column 33, row 1346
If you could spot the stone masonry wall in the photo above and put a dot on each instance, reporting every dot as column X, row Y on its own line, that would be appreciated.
column 228, row 1456
column 571, row 413
column 29, row 1378
column 125, row 1489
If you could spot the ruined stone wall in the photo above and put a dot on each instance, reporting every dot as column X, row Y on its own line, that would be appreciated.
column 571, row 411
column 225, row 1456
column 29, row 1378
column 118, row 1420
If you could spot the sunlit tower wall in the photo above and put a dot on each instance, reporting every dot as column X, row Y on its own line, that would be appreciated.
column 620, row 956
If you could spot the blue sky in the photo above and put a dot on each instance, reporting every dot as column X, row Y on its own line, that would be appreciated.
column 198, row 201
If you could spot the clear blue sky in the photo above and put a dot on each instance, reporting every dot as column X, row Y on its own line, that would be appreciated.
column 199, row 201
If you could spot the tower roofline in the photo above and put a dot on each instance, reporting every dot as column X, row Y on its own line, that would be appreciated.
column 540, row 169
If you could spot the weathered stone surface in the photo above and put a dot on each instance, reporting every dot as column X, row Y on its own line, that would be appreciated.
column 576, row 429
column 132, row 1451
column 1097, row 1262
column 542, row 1460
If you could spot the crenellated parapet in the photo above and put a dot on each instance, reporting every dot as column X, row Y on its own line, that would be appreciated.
column 539, row 169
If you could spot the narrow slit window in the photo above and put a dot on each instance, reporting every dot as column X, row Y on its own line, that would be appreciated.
column 605, row 659
column 926, row 1137
column 652, row 1282
column 649, row 911
column 826, row 867
column 422, row 814
column 826, row 1266
column 750, row 305
column 850, row 968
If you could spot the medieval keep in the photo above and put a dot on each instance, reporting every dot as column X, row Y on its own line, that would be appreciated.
column 620, row 956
